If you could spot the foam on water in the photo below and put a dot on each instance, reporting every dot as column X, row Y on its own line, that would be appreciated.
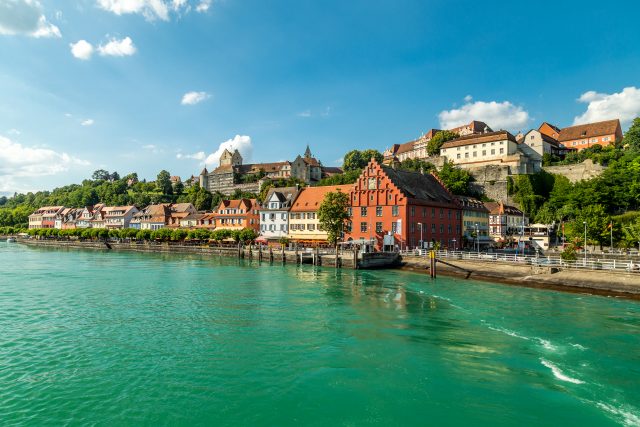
column 557, row 372
column 626, row 415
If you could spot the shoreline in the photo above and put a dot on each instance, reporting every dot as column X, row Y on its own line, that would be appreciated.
column 594, row 282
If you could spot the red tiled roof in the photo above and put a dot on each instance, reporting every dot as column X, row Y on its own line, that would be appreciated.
column 310, row 198
column 608, row 127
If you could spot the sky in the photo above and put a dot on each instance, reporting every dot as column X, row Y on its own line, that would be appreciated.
column 145, row 85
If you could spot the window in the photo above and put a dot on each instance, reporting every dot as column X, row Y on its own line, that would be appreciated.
column 424, row 212
column 475, row 154
column 531, row 137
column 394, row 210
column 371, row 197
column 413, row 211
column 466, row 155
column 449, row 229
column 363, row 227
column 484, row 152
column 412, row 227
column 449, row 213
column 363, row 211
column 378, row 227
column 350, row 211
column 433, row 228
column 372, row 184
column 458, row 156
column 348, row 227
column 502, row 150
column 311, row 227
column 441, row 228
column 441, row 213
column 378, row 210
column 394, row 227
column 493, row 151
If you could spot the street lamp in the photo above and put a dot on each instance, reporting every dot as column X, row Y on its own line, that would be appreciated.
column 585, row 242
column 421, row 244
column 454, row 244
column 477, row 237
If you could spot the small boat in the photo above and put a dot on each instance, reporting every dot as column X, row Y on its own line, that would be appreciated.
column 11, row 240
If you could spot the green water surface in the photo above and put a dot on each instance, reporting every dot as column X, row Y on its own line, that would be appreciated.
column 108, row 338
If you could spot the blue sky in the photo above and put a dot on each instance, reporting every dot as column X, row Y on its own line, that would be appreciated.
column 271, row 77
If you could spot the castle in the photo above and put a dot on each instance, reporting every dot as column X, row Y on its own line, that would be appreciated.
column 232, row 175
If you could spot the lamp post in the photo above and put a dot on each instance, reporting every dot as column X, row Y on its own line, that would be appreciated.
column 585, row 242
column 477, row 237
column 454, row 244
column 421, row 244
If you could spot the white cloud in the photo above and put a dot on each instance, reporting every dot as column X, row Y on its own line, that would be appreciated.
column 18, row 162
column 623, row 105
column 498, row 115
column 203, row 6
column 192, row 98
column 87, row 122
column 81, row 49
column 154, row 9
column 306, row 113
column 242, row 143
column 115, row 47
column 149, row 147
column 14, row 131
column 468, row 98
column 25, row 17
column 200, row 155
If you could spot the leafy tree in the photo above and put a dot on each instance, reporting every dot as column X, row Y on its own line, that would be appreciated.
column 597, row 221
column 178, row 188
column 455, row 179
column 357, row 160
column 434, row 144
column 417, row 165
column 348, row 177
column 247, row 235
column 114, row 176
column 632, row 136
column 101, row 175
column 333, row 213
column 163, row 182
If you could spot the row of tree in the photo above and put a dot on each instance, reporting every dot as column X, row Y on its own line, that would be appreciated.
column 163, row 234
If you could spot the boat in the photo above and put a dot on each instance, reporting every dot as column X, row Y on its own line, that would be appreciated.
column 11, row 240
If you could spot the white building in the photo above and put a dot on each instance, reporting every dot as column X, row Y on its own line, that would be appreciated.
column 118, row 216
column 493, row 148
column 274, row 215
column 541, row 144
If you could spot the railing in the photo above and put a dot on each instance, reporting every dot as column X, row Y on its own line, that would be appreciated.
column 624, row 265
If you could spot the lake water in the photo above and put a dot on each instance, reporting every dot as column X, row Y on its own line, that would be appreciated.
column 148, row 339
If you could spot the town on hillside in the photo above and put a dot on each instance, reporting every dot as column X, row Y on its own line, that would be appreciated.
column 390, row 206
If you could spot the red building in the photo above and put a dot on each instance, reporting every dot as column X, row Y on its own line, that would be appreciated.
column 409, row 206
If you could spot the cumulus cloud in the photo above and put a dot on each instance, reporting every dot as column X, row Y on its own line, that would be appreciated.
column 115, row 47
column 154, row 9
column 624, row 105
column 306, row 113
column 87, row 122
column 18, row 162
column 192, row 98
column 498, row 115
column 200, row 155
column 242, row 143
column 203, row 6
column 25, row 17
column 81, row 49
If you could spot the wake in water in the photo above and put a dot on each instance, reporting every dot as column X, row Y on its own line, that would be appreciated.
column 628, row 416
column 557, row 372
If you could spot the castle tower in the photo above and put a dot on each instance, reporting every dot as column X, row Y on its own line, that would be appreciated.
column 307, row 153
column 204, row 178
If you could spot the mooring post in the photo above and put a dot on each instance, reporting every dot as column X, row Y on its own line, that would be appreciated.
column 284, row 256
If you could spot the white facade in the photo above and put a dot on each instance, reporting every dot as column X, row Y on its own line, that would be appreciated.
column 274, row 217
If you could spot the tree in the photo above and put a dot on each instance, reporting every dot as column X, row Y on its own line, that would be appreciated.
column 178, row 188
column 455, row 179
column 114, row 176
column 434, row 144
column 632, row 136
column 597, row 221
column 101, row 175
column 356, row 160
column 333, row 213
column 417, row 165
column 163, row 182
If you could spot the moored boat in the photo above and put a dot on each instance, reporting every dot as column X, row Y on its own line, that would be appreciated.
column 11, row 240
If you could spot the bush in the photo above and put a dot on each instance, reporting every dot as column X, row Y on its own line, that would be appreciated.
column 569, row 254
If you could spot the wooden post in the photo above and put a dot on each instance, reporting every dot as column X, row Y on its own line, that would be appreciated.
column 317, row 257
column 284, row 256
column 432, row 264
column 270, row 254
column 260, row 253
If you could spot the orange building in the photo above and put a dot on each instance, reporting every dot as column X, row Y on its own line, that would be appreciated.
column 238, row 214
column 410, row 206
column 583, row 136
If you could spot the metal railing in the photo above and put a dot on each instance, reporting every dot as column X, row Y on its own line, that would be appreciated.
column 624, row 265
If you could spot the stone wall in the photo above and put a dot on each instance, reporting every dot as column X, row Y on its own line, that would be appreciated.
column 578, row 172
column 491, row 180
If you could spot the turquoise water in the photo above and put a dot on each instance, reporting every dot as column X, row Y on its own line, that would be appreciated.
column 147, row 339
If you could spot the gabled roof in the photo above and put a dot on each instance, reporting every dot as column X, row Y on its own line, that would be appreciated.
column 480, row 139
column 554, row 127
column 474, row 126
column 499, row 208
column 247, row 204
column 418, row 186
column 310, row 198
column 181, row 207
column 285, row 195
column 608, row 127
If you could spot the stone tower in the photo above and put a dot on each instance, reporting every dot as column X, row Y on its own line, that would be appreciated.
column 307, row 153
column 230, row 159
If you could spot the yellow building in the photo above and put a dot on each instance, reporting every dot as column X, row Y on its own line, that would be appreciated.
column 304, row 226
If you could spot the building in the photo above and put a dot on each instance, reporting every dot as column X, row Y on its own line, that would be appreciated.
column 552, row 131
column 493, row 148
column 86, row 215
column 417, row 149
column 304, row 225
column 191, row 220
column 410, row 208
column 118, row 216
column 154, row 217
column 475, row 222
column 66, row 219
column 584, row 136
column 542, row 144
column 45, row 217
column 233, row 175
column 237, row 215
column 505, row 221
column 274, row 215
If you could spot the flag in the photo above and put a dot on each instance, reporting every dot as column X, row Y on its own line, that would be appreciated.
column 610, row 225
